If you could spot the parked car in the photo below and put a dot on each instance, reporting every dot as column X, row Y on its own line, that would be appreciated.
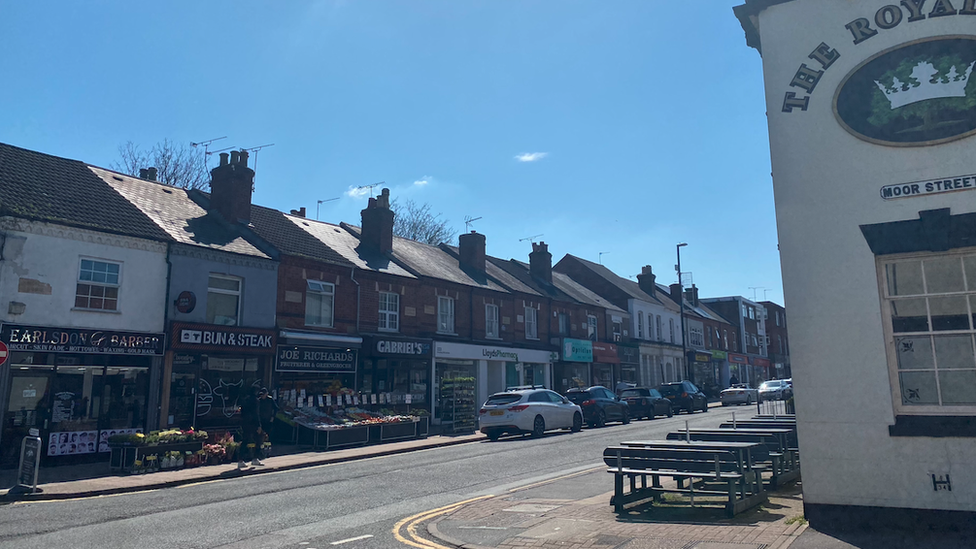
column 684, row 396
column 646, row 402
column 532, row 411
column 775, row 389
column 599, row 405
column 740, row 393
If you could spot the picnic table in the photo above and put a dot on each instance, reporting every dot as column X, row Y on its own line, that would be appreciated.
column 709, row 468
column 766, row 424
column 782, row 459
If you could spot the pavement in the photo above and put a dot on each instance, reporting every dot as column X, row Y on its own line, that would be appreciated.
column 95, row 479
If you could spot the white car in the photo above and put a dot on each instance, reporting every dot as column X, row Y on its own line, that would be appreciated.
column 528, row 411
column 776, row 389
column 740, row 393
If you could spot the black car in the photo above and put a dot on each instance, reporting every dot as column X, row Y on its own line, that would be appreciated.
column 646, row 402
column 684, row 396
column 599, row 405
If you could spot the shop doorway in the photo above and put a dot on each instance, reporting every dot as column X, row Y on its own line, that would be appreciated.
column 28, row 406
column 456, row 406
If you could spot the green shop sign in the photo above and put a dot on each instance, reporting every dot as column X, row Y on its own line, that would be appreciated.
column 577, row 350
column 721, row 355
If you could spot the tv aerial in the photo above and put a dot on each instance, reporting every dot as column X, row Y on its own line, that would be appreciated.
column 468, row 220
column 532, row 238
column 206, row 146
column 320, row 202
column 600, row 256
column 370, row 187
column 255, row 150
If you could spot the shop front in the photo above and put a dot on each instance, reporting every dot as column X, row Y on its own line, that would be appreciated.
column 465, row 375
column 630, row 364
column 703, row 373
column 574, row 369
column 210, row 370
column 739, row 369
column 397, row 370
column 720, row 365
column 606, row 365
column 762, row 367
column 77, row 387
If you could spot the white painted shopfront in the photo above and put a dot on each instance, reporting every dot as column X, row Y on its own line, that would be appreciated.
column 872, row 114
column 465, row 375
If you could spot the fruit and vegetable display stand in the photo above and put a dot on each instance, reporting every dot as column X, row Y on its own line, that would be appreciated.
column 141, row 453
column 327, row 430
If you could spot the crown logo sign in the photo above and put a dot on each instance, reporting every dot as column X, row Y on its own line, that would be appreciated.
column 931, row 85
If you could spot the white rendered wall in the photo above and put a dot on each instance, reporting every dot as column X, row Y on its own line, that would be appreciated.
column 47, row 258
column 826, row 184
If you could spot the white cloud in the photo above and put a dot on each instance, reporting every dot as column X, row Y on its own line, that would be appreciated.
column 357, row 192
column 422, row 182
column 530, row 157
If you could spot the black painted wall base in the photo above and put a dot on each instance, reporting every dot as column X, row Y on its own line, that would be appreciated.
column 826, row 518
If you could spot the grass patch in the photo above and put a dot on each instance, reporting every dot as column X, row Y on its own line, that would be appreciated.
column 796, row 519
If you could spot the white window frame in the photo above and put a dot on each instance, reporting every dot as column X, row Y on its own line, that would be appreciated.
column 389, row 315
column 725, row 339
column 696, row 336
column 563, row 324
column 891, row 338
column 640, row 324
column 660, row 329
column 592, row 328
column 223, row 291
column 445, row 315
column 320, row 288
column 671, row 325
column 491, row 321
column 531, row 323
column 117, row 285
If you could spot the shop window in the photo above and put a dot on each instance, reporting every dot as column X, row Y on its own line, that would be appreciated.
column 98, row 285
column 389, row 320
column 531, row 323
column 929, row 306
column 445, row 315
column 640, row 325
column 591, row 327
column 491, row 320
column 563, row 324
column 319, row 303
column 224, row 300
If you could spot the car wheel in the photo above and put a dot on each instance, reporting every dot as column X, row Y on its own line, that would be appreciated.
column 705, row 406
column 670, row 412
column 538, row 426
column 577, row 423
column 493, row 436
column 691, row 408
column 626, row 417
column 601, row 418
column 749, row 400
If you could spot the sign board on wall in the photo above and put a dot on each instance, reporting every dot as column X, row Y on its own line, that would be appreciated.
column 400, row 347
column 305, row 358
column 488, row 352
column 74, row 340
column 577, row 350
column 210, row 337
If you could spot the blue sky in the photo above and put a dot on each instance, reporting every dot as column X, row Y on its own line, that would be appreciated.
column 643, row 121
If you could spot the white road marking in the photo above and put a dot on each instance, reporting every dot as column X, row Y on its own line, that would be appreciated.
column 357, row 538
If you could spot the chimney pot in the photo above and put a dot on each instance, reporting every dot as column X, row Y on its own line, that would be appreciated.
column 151, row 174
column 244, row 156
column 235, row 157
column 143, row 173
column 223, row 159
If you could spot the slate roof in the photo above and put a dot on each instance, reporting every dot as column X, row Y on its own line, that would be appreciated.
column 282, row 233
column 172, row 209
column 580, row 293
column 629, row 287
column 42, row 187
column 347, row 245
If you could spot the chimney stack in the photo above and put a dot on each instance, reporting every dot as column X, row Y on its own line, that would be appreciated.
column 647, row 281
column 691, row 295
column 675, row 292
column 143, row 173
column 151, row 174
column 377, row 218
column 300, row 212
column 540, row 262
column 231, row 185
column 471, row 248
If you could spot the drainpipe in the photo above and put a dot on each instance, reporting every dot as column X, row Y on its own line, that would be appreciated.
column 352, row 276
column 161, row 376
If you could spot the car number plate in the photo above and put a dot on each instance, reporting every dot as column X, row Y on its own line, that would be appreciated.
column 496, row 412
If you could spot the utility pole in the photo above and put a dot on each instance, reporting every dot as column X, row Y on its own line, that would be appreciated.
column 681, row 301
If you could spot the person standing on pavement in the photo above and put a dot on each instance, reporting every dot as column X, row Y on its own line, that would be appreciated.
column 267, row 410
column 251, row 432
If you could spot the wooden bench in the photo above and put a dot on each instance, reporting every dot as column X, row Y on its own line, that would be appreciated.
column 783, row 465
column 718, row 472
column 766, row 424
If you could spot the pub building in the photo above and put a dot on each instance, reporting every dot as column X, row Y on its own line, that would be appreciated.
column 77, row 387
column 212, row 368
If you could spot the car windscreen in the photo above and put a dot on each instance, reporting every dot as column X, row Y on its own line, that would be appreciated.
column 771, row 385
column 502, row 399
column 633, row 393
column 669, row 390
column 654, row 393
column 576, row 398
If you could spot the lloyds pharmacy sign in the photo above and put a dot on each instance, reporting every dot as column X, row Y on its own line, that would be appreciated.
column 918, row 93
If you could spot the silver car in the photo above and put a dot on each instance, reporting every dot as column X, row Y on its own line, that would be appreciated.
column 740, row 393
column 776, row 389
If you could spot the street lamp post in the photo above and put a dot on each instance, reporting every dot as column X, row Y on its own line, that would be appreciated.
column 681, row 303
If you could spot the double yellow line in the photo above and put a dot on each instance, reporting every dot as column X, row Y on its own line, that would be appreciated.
column 405, row 531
